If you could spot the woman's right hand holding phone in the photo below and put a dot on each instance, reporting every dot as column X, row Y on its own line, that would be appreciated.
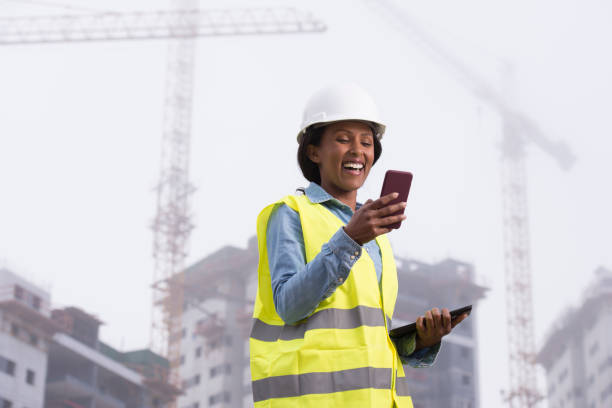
column 372, row 219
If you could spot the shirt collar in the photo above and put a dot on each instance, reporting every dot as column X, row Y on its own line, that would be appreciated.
column 316, row 194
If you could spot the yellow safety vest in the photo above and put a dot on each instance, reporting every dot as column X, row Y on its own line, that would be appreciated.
column 339, row 356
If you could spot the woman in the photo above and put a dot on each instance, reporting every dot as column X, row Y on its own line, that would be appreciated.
column 327, row 281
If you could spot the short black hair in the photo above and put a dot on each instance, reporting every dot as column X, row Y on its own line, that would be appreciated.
column 312, row 136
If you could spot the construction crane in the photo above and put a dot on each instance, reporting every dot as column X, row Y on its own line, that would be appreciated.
column 517, row 131
column 172, row 224
column 160, row 24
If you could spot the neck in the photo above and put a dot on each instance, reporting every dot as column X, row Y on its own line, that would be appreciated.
column 347, row 197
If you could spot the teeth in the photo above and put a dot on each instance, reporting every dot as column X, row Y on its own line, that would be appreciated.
column 356, row 166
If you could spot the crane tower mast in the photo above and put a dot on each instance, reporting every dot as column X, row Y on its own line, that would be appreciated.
column 172, row 224
column 522, row 391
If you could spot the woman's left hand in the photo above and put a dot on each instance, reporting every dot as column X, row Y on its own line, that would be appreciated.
column 435, row 325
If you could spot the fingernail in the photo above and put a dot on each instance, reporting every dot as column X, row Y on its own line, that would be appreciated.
column 395, row 195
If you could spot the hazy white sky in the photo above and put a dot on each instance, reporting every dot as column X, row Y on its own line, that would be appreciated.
column 80, row 136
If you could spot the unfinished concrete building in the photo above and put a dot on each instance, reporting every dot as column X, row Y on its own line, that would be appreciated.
column 85, row 372
column 54, row 359
column 454, row 376
column 219, row 295
column 577, row 352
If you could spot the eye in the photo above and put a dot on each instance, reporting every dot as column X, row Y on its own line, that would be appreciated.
column 366, row 144
column 342, row 140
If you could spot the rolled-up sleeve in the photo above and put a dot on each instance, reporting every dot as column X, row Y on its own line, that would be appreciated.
column 424, row 357
column 298, row 287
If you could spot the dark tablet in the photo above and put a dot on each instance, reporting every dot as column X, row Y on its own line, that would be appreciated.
column 409, row 328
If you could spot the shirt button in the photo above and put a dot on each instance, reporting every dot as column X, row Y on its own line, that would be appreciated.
column 356, row 252
column 340, row 280
column 352, row 256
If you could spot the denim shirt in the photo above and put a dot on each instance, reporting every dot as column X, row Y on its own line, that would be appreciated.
column 298, row 287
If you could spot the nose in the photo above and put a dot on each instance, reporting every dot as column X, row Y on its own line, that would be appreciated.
column 356, row 148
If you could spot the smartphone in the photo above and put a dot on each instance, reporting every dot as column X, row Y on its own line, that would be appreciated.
column 397, row 182
column 409, row 328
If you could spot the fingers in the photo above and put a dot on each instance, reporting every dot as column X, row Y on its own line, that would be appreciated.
column 368, row 222
column 390, row 209
column 438, row 320
column 433, row 326
column 446, row 320
column 390, row 220
column 389, row 214
column 437, row 317
column 429, row 321
column 420, row 325
column 436, row 324
column 384, row 200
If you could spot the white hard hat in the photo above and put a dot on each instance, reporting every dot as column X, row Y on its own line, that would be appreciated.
column 341, row 102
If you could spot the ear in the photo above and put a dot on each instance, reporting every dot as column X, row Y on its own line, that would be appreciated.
column 312, row 152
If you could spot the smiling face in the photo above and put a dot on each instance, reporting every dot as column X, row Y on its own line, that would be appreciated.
column 344, row 156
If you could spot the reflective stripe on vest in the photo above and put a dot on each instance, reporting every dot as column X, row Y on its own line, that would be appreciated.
column 323, row 319
column 341, row 354
column 321, row 383
column 401, row 386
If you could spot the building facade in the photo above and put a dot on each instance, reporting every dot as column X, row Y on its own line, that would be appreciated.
column 219, row 295
column 54, row 358
column 25, row 332
column 577, row 352
column 454, row 375
column 84, row 372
